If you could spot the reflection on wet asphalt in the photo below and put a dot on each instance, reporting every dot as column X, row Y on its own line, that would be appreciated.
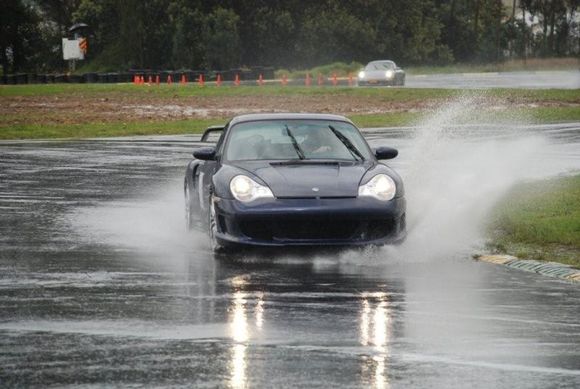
column 100, row 285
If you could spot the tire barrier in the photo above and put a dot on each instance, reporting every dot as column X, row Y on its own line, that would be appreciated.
column 257, row 76
column 199, row 78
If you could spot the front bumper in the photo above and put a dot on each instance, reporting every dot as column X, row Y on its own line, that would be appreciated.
column 382, row 81
column 311, row 222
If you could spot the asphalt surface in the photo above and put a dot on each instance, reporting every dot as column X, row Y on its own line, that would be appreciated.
column 100, row 286
column 535, row 80
column 563, row 79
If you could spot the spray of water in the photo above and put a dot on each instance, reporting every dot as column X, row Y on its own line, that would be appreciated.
column 457, row 169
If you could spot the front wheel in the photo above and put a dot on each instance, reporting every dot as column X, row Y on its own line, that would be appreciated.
column 215, row 245
column 189, row 224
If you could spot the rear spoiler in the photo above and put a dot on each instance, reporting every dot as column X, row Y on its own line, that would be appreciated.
column 209, row 131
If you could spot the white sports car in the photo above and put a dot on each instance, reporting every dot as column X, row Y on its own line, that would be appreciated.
column 381, row 73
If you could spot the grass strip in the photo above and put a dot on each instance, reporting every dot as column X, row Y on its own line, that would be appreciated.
column 94, row 130
column 192, row 90
column 540, row 220
column 197, row 125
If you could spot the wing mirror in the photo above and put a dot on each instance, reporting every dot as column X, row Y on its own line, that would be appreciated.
column 386, row 153
column 205, row 154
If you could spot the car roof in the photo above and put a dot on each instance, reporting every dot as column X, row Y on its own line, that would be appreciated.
column 288, row 116
column 381, row 61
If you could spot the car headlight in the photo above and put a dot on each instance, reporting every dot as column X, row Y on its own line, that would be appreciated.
column 245, row 189
column 381, row 187
column 361, row 74
column 389, row 74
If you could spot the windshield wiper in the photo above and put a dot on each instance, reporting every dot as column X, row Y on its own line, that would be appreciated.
column 295, row 143
column 347, row 143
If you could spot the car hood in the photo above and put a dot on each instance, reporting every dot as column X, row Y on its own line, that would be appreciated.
column 376, row 73
column 309, row 179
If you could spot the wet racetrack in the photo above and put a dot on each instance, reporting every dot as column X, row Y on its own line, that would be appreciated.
column 568, row 79
column 100, row 285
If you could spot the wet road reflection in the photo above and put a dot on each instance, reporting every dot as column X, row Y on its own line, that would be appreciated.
column 375, row 332
column 101, row 286
column 239, row 329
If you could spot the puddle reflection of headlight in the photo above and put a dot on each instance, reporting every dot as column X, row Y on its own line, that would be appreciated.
column 260, row 312
column 238, row 379
column 239, row 333
column 239, row 324
column 374, row 331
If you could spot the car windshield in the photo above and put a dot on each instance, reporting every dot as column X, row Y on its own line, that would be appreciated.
column 383, row 65
column 295, row 139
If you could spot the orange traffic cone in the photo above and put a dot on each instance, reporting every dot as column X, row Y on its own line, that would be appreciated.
column 320, row 79
column 284, row 80
column 219, row 80
column 150, row 81
column 261, row 80
column 157, row 79
column 169, row 79
column 237, row 80
column 200, row 80
column 334, row 79
column 142, row 80
column 308, row 81
column 135, row 80
column 183, row 79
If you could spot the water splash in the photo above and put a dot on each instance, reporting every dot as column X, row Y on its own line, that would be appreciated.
column 456, row 170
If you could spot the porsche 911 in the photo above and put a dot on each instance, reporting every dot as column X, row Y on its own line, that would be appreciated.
column 381, row 73
column 293, row 180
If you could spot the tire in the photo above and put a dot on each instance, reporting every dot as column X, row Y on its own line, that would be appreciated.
column 215, row 245
column 189, row 222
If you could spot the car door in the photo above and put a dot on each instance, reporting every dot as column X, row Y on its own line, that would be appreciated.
column 204, row 178
column 198, row 179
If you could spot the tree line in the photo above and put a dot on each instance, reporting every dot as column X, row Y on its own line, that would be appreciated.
column 213, row 34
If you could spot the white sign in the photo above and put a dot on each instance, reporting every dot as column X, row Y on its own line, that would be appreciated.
column 71, row 49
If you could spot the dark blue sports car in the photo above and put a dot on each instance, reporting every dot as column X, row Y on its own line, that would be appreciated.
column 293, row 180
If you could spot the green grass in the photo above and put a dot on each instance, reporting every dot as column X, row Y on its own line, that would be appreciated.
column 191, row 126
column 538, row 115
column 540, row 220
column 179, row 91
column 91, row 130
column 22, row 124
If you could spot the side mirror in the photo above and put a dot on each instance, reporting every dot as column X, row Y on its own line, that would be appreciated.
column 386, row 153
column 205, row 154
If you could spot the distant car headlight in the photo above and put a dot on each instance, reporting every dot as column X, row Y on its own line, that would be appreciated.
column 389, row 74
column 381, row 187
column 245, row 189
column 361, row 74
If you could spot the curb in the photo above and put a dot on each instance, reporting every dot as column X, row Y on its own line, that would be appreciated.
column 550, row 269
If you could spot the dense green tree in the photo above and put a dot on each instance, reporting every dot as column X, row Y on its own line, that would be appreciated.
column 222, row 39
column 19, row 36
column 188, row 42
column 223, row 34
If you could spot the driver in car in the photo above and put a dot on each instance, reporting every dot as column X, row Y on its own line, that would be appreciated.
column 316, row 143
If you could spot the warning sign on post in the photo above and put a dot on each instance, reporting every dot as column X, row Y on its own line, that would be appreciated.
column 71, row 49
column 83, row 45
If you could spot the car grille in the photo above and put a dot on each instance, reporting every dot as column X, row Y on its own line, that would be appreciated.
column 316, row 229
